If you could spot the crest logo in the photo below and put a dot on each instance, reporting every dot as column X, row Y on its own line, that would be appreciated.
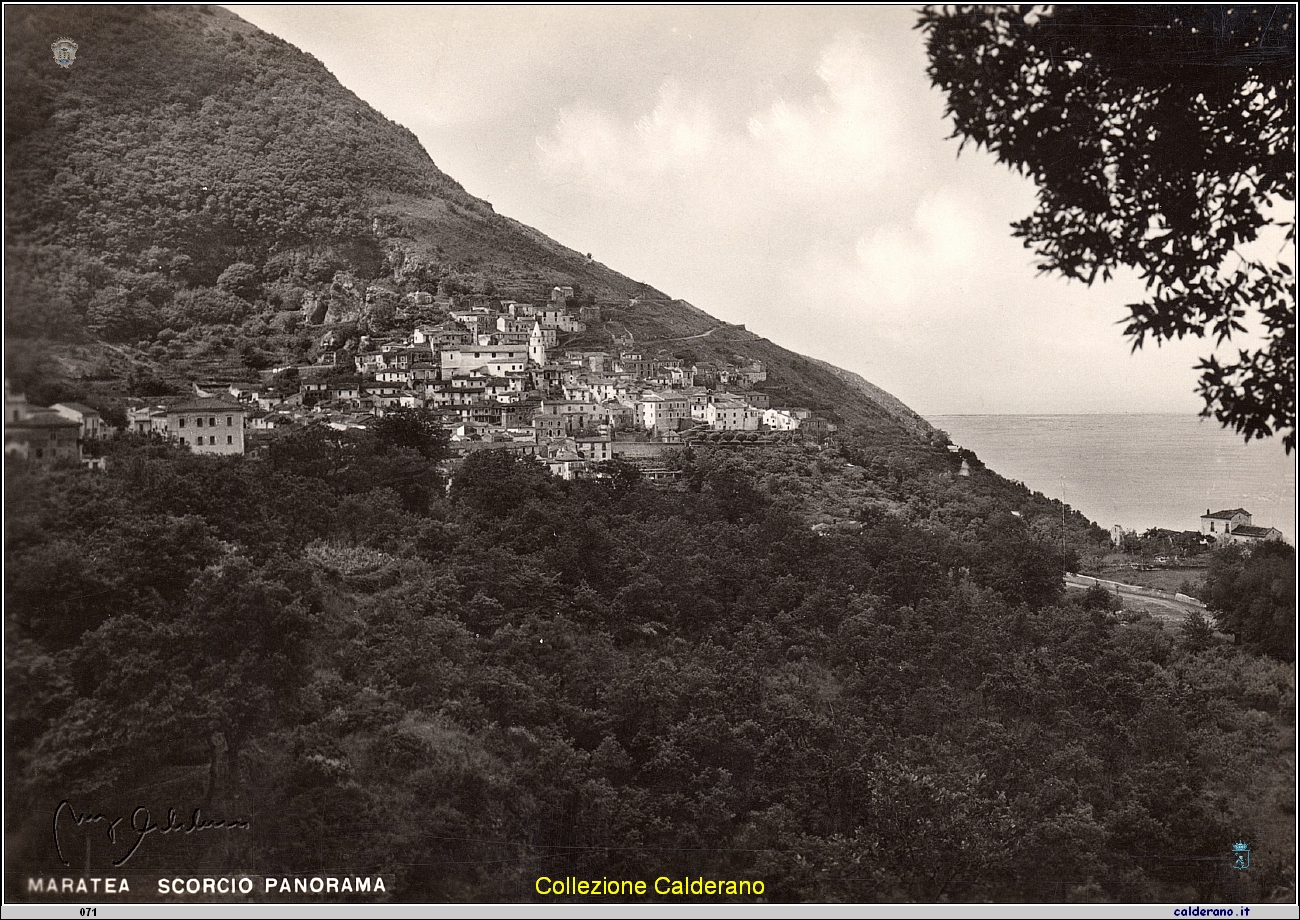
column 65, row 52
column 1241, row 849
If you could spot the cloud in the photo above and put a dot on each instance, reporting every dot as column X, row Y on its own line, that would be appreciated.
column 841, row 140
column 896, row 261
column 845, row 138
column 680, row 135
column 586, row 145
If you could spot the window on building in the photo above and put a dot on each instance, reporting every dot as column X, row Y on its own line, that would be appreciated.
column 212, row 423
column 230, row 439
column 230, row 420
column 198, row 423
column 182, row 422
column 212, row 440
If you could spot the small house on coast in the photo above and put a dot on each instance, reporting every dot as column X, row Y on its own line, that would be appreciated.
column 1234, row 526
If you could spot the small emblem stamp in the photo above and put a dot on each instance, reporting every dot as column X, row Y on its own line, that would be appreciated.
column 1241, row 849
column 65, row 52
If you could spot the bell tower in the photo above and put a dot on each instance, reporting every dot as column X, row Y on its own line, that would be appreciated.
column 537, row 345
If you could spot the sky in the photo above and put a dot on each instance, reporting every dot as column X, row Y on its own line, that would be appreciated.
column 790, row 169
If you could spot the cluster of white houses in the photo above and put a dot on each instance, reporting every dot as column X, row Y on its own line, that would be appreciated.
column 500, row 380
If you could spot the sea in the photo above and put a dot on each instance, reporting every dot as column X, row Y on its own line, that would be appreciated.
column 1138, row 471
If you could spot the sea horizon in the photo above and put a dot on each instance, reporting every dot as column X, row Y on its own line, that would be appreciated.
column 1164, row 472
column 1188, row 415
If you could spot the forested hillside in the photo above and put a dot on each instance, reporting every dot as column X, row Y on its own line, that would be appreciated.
column 606, row 678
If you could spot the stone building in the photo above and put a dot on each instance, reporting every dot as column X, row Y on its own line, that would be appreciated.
column 208, row 426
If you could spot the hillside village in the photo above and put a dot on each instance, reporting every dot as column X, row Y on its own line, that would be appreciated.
column 499, row 375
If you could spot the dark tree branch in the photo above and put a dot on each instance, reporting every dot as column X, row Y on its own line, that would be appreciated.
column 1161, row 138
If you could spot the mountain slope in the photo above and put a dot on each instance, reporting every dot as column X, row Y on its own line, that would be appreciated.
column 189, row 172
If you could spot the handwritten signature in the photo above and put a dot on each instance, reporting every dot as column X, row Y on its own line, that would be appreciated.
column 140, row 824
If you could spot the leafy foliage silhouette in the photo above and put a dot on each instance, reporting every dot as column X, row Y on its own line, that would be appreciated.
column 1161, row 138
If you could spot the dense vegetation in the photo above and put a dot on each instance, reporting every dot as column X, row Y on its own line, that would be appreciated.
column 1252, row 592
column 465, row 688
column 190, row 190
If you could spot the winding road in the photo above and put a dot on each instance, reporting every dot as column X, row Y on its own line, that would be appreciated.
column 700, row 335
column 1162, row 599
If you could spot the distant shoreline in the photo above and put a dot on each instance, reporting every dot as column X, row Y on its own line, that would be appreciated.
column 1073, row 415
column 1140, row 470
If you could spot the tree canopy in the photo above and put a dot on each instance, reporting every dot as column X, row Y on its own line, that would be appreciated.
column 1161, row 138
column 1252, row 594
column 521, row 676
